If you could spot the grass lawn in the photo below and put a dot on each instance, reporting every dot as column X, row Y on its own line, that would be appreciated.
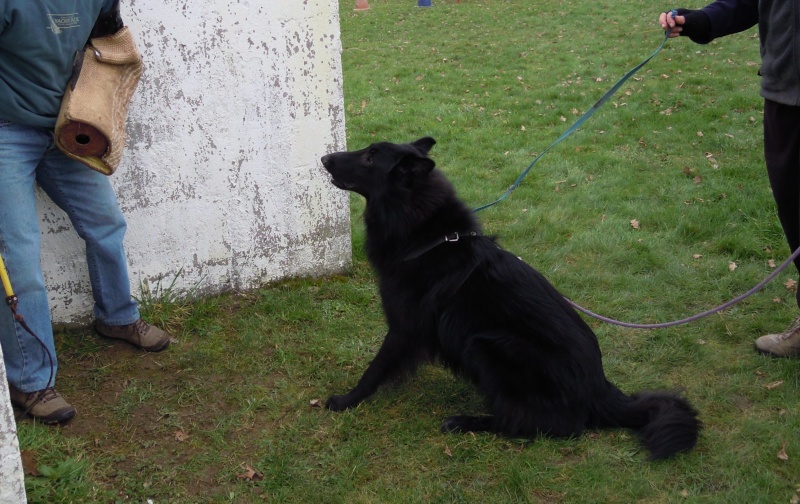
column 657, row 208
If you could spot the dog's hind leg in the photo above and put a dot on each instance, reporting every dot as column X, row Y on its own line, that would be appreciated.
column 464, row 423
column 528, row 426
column 527, row 393
column 396, row 357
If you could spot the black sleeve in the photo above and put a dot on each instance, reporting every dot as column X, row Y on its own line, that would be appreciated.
column 108, row 23
column 697, row 26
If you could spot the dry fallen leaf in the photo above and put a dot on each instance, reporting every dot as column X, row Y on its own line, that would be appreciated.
column 315, row 403
column 791, row 284
column 771, row 263
column 447, row 451
column 732, row 266
column 782, row 454
column 712, row 160
column 181, row 436
column 774, row 385
column 697, row 256
column 250, row 474
column 29, row 464
column 635, row 224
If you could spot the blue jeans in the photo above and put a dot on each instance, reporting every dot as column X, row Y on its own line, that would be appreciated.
column 28, row 156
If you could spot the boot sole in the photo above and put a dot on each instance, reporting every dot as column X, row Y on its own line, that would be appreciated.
column 146, row 349
column 774, row 355
column 61, row 420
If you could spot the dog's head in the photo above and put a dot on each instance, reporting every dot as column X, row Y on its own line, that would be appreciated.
column 380, row 167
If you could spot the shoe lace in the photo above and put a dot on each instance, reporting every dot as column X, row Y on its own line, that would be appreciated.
column 793, row 329
column 141, row 327
column 789, row 334
column 40, row 396
column 43, row 396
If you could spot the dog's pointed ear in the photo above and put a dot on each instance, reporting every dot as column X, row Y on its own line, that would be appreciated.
column 413, row 163
column 425, row 165
column 424, row 144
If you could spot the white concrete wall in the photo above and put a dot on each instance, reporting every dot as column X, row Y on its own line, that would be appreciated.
column 221, row 180
column 12, row 482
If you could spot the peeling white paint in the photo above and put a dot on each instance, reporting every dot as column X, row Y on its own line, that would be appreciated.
column 12, row 489
column 221, row 180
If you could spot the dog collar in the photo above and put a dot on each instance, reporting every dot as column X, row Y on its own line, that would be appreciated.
column 448, row 238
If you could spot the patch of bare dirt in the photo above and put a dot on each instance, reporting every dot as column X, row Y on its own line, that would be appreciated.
column 146, row 416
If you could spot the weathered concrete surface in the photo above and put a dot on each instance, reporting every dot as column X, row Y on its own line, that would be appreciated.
column 221, row 179
column 12, row 484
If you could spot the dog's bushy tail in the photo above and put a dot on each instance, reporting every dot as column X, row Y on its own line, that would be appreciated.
column 665, row 422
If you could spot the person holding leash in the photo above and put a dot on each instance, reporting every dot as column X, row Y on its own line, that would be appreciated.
column 779, row 32
column 38, row 42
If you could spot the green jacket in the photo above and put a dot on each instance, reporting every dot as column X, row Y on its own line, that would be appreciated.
column 38, row 43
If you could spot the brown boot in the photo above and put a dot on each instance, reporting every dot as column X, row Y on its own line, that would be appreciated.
column 46, row 405
column 140, row 334
column 785, row 344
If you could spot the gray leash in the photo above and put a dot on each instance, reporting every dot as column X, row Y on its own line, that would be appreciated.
column 699, row 315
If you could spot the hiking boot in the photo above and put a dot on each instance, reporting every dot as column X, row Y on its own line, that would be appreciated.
column 140, row 334
column 46, row 405
column 785, row 344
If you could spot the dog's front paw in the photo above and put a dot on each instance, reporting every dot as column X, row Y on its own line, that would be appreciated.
column 338, row 403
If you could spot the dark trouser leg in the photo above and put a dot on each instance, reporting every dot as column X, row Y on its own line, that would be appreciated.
column 782, row 155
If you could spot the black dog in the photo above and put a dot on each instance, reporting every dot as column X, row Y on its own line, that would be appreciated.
column 451, row 294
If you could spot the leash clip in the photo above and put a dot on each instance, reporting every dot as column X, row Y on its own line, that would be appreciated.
column 452, row 238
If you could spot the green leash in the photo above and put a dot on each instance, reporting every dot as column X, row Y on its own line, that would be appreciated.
column 570, row 131
column 579, row 122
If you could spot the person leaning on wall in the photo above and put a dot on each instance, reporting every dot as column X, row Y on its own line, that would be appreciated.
column 779, row 32
column 38, row 42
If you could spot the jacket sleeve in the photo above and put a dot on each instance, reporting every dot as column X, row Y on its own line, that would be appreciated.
column 109, row 21
column 730, row 16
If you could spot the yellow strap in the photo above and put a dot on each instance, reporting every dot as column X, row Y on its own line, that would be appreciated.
column 4, row 278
